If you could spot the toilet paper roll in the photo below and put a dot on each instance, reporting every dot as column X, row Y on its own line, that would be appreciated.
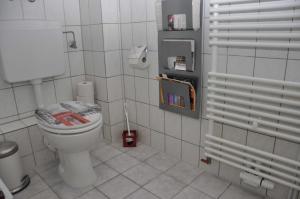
column 86, row 99
column 85, row 89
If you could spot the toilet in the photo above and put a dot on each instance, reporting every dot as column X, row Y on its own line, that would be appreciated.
column 45, row 60
column 73, row 144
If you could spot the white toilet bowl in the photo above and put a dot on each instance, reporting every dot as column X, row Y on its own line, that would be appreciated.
column 73, row 145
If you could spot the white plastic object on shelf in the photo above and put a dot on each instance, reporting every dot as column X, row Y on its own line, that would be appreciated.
column 196, row 14
column 158, row 13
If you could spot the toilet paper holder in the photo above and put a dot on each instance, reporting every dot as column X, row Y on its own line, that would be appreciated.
column 138, row 57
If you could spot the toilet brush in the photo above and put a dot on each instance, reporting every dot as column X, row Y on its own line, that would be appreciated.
column 129, row 136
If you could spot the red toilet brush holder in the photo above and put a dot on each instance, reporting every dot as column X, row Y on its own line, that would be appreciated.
column 129, row 140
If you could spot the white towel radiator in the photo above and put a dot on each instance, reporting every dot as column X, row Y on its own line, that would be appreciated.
column 267, row 106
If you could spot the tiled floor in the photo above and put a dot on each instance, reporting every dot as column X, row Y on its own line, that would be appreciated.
column 139, row 173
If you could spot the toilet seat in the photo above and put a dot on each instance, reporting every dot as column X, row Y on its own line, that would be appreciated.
column 94, row 118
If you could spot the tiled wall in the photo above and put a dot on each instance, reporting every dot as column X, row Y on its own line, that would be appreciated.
column 181, row 136
column 103, row 60
column 17, row 100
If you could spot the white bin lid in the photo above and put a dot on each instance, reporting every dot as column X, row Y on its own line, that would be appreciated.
column 7, row 149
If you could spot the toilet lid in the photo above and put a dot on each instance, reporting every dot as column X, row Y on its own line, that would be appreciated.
column 70, row 117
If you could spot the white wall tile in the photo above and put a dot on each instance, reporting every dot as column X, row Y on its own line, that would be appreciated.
column 33, row 10
column 270, row 68
column 271, row 53
column 158, row 141
column 72, row 12
column 131, row 108
column 101, row 88
column 89, row 65
column 116, row 133
column 139, row 10
column 126, row 31
column 55, row 10
column 129, row 87
column 113, row 63
column 240, row 65
column 173, row 124
column 173, row 147
column 97, row 37
column 287, row 149
column 127, row 70
column 99, row 63
column 157, row 120
column 116, row 112
column 152, row 35
column 260, row 141
column 25, row 98
column 293, row 71
column 76, row 63
column 190, row 153
column 151, row 10
column 114, row 88
column 144, row 135
column 153, row 68
column 7, row 105
column 139, row 31
column 11, row 10
column 191, row 130
column 36, row 137
column 112, row 36
column 86, row 37
column 63, row 89
column 234, row 134
column 95, row 11
column 49, row 93
column 153, row 92
column 110, row 11
column 142, row 89
column 125, row 11
column 21, row 137
column 84, row 12
column 142, row 114
column 230, row 173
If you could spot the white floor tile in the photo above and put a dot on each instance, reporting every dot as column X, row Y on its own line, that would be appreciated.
column 210, row 185
column 47, row 194
column 94, row 194
column 105, row 153
column 142, row 194
column 164, row 187
column 51, row 176
column 184, row 172
column 104, row 174
column 36, row 186
column 162, row 161
column 122, row 162
column 66, row 192
column 142, row 173
column 234, row 192
column 142, row 152
column 117, row 188
column 190, row 193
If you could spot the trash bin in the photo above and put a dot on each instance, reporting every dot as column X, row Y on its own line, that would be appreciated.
column 11, row 169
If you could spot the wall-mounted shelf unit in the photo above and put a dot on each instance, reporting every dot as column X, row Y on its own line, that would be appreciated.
column 180, row 59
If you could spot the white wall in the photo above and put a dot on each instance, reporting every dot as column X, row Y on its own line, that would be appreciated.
column 17, row 100
column 181, row 136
